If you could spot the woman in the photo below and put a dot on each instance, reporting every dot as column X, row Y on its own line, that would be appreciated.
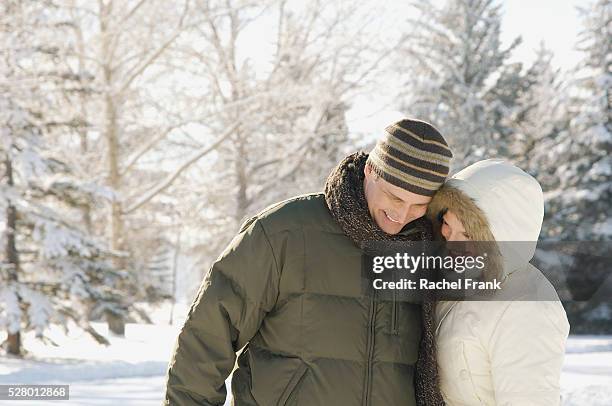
column 507, row 350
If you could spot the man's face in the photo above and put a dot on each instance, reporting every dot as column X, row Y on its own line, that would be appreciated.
column 390, row 206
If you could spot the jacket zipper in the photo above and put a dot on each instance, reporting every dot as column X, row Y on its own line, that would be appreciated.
column 444, row 317
column 371, row 332
column 293, row 384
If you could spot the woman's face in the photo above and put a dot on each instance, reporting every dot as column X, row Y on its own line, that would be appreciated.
column 452, row 228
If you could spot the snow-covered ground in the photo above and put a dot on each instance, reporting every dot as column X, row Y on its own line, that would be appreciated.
column 587, row 373
column 131, row 371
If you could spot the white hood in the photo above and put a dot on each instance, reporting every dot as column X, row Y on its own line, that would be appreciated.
column 512, row 201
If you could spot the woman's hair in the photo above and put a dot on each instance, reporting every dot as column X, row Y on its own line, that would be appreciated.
column 474, row 221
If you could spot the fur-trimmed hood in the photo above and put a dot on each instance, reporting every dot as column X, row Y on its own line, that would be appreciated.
column 495, row 201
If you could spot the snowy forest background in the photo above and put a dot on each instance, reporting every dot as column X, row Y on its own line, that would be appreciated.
column 136, row 136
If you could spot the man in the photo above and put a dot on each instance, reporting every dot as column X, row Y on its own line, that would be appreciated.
column 289, row 288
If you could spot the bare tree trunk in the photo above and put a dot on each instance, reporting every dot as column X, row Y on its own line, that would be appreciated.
column 110, row 130
column 86, row 207
column 12, row 256
column 116, row 324
column 177, row 251
column 14, row 343
column 242, row 202
column 114, row 177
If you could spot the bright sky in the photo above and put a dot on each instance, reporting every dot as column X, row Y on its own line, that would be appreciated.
column 555, row 22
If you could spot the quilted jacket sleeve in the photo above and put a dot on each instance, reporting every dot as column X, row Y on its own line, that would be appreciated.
column 241, row 287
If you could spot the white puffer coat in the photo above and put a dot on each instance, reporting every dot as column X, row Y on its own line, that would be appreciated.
column 498, row 352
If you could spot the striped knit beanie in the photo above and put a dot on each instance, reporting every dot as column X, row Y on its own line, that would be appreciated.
column 412, row 155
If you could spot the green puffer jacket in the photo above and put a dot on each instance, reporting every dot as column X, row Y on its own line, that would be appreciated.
column 289, row 287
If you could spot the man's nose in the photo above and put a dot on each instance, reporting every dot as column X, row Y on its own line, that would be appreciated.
column 405, row 213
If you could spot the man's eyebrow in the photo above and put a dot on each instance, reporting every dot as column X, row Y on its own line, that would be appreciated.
column 393, row 195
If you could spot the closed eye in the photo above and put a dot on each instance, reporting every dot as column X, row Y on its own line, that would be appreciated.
column 393, row 197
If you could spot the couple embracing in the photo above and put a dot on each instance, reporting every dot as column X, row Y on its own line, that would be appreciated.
column 286, row 294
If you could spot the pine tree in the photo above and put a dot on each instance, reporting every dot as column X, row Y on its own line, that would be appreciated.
column 576, row 170
column 53, row 270
column 578, row 205
column 539, row 119
column 458, row 73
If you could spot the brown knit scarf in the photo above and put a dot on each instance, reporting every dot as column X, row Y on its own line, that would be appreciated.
column 347, row 203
